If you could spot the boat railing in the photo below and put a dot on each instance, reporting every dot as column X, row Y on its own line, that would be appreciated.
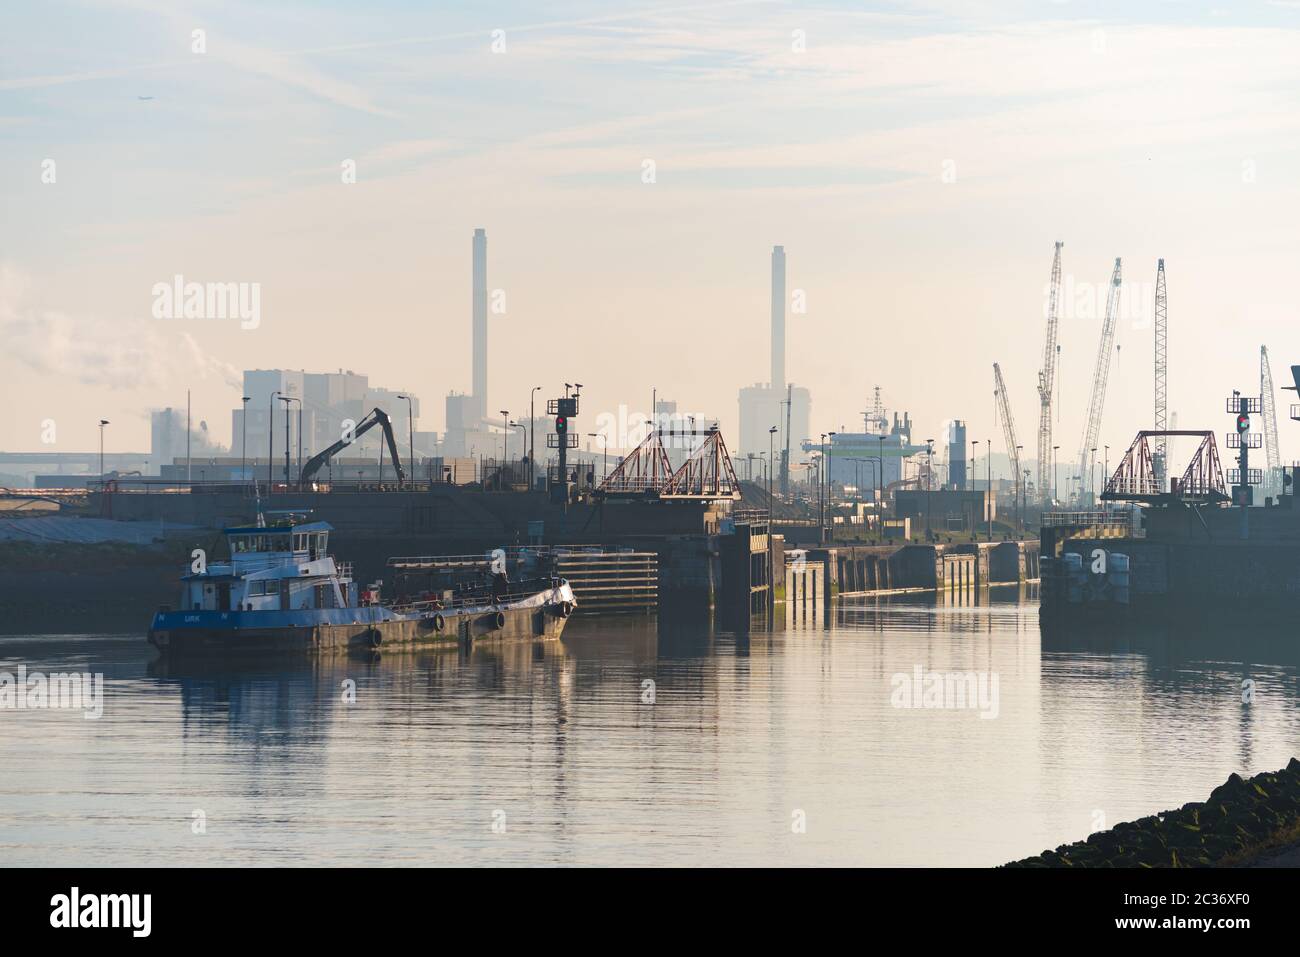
column 476, row 598
column 1097, row 518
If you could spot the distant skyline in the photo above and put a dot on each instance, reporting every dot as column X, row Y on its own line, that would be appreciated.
column 916, row 161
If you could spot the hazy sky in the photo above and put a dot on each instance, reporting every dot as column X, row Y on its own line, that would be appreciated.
column 917, row 161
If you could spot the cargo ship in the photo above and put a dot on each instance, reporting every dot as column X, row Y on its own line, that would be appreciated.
column 280, row 591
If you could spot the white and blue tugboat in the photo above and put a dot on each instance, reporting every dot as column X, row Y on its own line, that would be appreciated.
column 281, row 591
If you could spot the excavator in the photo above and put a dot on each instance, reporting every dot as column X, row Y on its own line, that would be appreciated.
column 376, row 417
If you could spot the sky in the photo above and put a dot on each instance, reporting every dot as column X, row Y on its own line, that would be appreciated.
column 917, row 161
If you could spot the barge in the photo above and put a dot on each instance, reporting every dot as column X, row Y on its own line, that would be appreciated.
column 280, row 591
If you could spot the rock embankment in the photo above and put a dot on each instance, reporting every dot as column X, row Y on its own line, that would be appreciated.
column 1242, row 818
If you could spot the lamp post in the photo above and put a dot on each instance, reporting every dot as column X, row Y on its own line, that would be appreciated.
column 1092, row 480
column 1020, row 514
column 929, row 483
column 410, row 428
column 771, row 437
column 1024, row 504
column 974, row 458
column 880, row 483
column 286, row 399
column 523, row 441
column 821, row 492
column 1105, row 469
column 270, row 443
column 1056, row 478
column 989, row 460
column 532, row 436
column 243, row 442
column 604, row 460
column 102, row 423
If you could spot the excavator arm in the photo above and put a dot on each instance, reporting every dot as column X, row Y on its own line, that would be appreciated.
column 376, row 417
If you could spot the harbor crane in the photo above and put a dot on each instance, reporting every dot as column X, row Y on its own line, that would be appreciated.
column 1047, row 380
column 1272, row 456
column 1008, row 425
column 1160, row 457
column 376, row 417
column 1097, row 398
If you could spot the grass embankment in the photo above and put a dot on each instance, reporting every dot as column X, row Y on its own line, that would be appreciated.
column 1242, row 819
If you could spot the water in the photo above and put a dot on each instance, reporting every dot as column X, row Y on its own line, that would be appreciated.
column 553, row 744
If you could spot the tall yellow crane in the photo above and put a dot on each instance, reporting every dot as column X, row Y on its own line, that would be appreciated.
column 1097, row 399
column 1047, row 381
column 1008, row 425
column 1159, row 462
column 1268, row 405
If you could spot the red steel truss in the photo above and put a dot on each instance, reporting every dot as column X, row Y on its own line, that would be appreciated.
column 646, row 470
column 1136, row 481
column 707, row 474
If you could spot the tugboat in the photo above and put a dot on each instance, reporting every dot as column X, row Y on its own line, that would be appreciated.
column 281, row 591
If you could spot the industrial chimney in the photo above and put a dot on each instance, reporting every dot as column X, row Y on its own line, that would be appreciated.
column 479, row 389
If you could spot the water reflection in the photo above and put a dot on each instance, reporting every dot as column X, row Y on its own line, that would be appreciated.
column 648, row 741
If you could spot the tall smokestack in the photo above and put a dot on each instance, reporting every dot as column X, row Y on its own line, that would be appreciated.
column 479, row 389
column 778, row 320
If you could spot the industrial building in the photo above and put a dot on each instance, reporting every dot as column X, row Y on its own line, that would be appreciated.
column 470, row 432
column 877, row 458
column 776, row 402
column 323, row 403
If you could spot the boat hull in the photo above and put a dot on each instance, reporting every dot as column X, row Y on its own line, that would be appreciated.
column 348, row 630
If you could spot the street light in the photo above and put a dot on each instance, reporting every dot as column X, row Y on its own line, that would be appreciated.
column 1019, row 492
column 604, row 461
column 929, row 483
column 974, row 458
column 243, row 442
column 1056, row 478
column 286, row 399
column 505, row 436
column 880, row 483
column 771, row 437
column 1092, row 480
column 410, row 429
column 102, row 423
column 989, row 460
column 532, row 437
column 270, row 443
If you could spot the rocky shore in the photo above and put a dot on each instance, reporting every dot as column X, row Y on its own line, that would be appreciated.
column 1243, row 819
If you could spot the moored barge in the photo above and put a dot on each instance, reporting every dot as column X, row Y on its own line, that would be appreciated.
column 280, row 591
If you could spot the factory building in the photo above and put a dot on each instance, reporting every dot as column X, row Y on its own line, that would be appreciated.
column 328, row 401
column 957, row 454
column 471, row 431
column 765, row 404
column 873, row 459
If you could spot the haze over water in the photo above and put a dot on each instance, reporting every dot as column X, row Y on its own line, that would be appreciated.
column 746, row 736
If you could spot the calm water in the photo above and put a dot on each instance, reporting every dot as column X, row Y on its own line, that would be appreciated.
column 746, row 737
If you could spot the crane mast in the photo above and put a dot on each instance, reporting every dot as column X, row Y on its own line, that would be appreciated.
column 1097, row 398
column 1008, row 424
column 1159, row 462
column 1273, row 483
column 1047, row 380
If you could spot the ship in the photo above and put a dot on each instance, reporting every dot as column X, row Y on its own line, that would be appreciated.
column 281, row 591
